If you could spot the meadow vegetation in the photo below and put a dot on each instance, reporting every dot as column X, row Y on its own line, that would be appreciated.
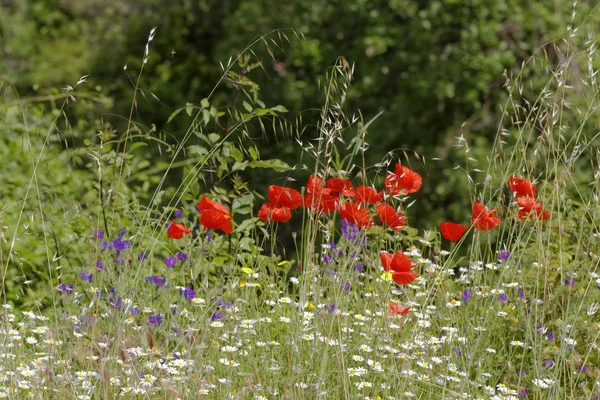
column 120, row 281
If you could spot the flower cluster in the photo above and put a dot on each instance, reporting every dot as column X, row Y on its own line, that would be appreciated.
column 338, row 194
column 525, row 193
column 484, row 220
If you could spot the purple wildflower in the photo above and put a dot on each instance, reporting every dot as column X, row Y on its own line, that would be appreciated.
column 208, row 237
column 155, row 319
column 104, row 245
column 65, row 287
column 583, row 369
column 359, row 267
column 503, row 299
column 326, row 259
column 99, row 265
column 466, row 295
column 504, row 255
column 540, row 329
column 141, row 256
column 331, row 308
column 549, row 363
column 158, row 281
column 523, row 393
column 118, row 303
column 570, row 282
column 346, row 285
column 182, row 256
column 349, row 230
column 119, row 244
column 170, row 261
column 224, row 303
column 189, row 293
column 135, row 311
column 457, row 351
column 178, row 214
column 217, row 316
column 99, row 234
column 86, row 276
column 550, row 336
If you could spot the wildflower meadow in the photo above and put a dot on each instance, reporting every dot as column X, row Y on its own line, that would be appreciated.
column 319, row 287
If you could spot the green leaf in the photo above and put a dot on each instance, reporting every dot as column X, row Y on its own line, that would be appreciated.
column 279, row 108
column 199, row 150
column 189, row 107
column 204, row 103
column 205, row 117
column 174, row 114
column 213, row 138
column 247, row 106
column 239, row 166
column 274, row 164
column 264, row 111
column 253, row 153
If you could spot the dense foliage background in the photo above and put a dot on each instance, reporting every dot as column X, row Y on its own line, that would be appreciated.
column 436, row 70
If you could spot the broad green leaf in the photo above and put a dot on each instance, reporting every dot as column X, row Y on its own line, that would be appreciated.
column 274, row 164
column 239, row 166
column 279, row 108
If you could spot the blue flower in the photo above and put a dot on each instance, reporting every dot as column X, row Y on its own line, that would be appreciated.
column 155, row 319
column 466, row 295
column 178, row 214
column 189, row 293
column 158, row 281
column 98, row 234
column 99, row 265
column 182, row 256
column 349, row 230
column 86, row 276
column 65, row 287
column 504, row 255
column 217, row 316
column 118, row 303
column 170, row 261
column 119, row 244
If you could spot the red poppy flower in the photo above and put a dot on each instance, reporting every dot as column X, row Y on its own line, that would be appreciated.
column 207, row 204
column 404, row 181
column 483, row 220
column 521, row 187
column 388, row 216
column 357, row 215
column 340, row 186
column 277, row 214
column 529, row 208
column 452, row 231
column 286, row 197
column 177, row 230
column 398, row 309
column 214, row 215
column 319, row 197
column 369, row 195
column 400, row 265
column 314, row 184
